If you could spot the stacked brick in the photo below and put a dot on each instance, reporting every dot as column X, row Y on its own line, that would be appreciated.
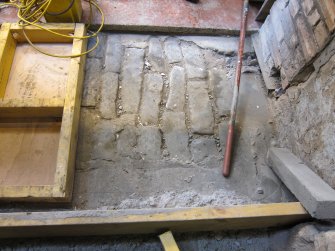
column 290, row 38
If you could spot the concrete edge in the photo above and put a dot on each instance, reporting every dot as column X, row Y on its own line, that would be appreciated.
column 315, row 194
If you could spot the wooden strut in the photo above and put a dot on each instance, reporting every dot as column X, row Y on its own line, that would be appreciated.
column 168, row 242
column 231, row 125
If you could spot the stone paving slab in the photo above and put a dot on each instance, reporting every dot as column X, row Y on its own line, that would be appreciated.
column 131, row 79
column 201, row 113
column 177, row 80
column 151, row 97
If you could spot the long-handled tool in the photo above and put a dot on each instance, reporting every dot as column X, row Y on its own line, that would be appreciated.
column 230, row 136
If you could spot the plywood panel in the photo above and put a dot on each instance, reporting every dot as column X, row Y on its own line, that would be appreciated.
column 28, row 153
column 35, row 75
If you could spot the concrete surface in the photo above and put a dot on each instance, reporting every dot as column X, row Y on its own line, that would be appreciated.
column 317, row 197
column 208, row 16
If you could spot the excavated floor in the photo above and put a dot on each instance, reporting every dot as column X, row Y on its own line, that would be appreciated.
column 153, row 125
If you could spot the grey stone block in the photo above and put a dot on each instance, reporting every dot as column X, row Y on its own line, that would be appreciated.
column 127, row 141
column 321, row 34
column 109, row 87
column 201, row 114
column 92, row 82
column 223, row 91
column 155, row 55
column 306, row 37
column 325, row 55
column 294, row 7
column 135, row 40
column 194, row 61
column 176, row 135
column 288, row 24
column 99, row 52
column 270, row 82
column 316, row 196
column 221, row 44
column 131, row 79
column 176, row 99
column 149, row 143
column 151, row 97
column 172, row 50
column 307, row 6
column 314, row 18
column 275, row 16
column 114, row 54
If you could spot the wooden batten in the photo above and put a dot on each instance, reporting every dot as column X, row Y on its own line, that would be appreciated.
column 37, row 35
column 31, row 108
column 144, row 221
column 67, row 145
column 7, row 51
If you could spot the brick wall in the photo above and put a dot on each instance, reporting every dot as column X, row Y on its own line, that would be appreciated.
column 296, row 49
column 294, row 33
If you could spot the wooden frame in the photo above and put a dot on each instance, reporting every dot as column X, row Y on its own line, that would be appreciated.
column 67, row 108
column 144, row 221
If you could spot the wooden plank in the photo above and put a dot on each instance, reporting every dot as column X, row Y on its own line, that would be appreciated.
column 26, row 193
column 28, row 108
column 7, row 51
column 68, row 142
column 109, row 222
column 265, row 10
column 37, row 35
column 168, row 241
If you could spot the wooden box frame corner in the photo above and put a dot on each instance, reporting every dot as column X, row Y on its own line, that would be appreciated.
column 68, row 107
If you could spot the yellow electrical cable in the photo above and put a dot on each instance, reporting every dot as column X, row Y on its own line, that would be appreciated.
column 31, row 11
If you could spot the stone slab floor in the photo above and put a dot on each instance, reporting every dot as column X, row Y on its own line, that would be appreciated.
column 153, row 125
